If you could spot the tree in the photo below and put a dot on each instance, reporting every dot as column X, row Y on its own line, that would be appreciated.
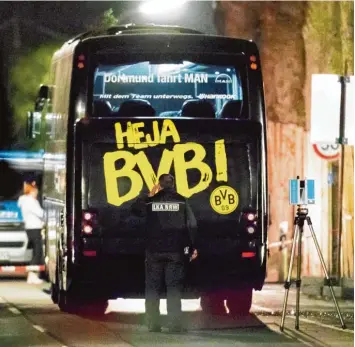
column 106, row 20
column 33, row 69
column 28, row 73
column 5, row 110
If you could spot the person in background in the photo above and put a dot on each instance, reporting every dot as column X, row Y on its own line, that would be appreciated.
column 33, row 216
column 170, row 230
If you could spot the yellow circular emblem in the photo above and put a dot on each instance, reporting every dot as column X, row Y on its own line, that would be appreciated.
column 224, row 200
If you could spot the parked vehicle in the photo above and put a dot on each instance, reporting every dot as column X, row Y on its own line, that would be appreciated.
column 15, row 166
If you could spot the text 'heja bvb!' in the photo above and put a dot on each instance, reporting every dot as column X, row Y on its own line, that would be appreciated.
column 139, row 170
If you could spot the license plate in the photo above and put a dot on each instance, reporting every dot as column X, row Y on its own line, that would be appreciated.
column 4, row 256
column 8, row 214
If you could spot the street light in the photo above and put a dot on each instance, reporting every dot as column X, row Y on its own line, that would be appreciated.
column 152, row 7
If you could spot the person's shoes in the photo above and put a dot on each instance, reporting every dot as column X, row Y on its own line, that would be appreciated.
column 154, row 329
column 32, row 278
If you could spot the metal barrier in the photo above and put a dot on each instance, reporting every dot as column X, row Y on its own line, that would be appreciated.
column 21, row 269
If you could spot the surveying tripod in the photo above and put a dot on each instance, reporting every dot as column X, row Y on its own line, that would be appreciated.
column 302, row 215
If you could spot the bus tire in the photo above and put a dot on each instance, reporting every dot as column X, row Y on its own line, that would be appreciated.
column 95, row 308
column 66, row 303
column 54, row 293
column 213, row 303
column 239, row 301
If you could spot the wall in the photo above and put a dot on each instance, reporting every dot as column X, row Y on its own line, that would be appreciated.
column 296, row 40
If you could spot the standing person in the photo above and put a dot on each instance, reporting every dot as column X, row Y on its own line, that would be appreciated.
column 170, row 228
column 33, row 216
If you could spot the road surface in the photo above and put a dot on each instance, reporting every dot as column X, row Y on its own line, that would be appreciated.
column 28, row 318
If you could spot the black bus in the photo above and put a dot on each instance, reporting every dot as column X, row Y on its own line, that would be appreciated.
column 126, row 105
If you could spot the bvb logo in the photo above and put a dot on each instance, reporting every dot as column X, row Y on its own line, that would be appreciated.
column 224, row 200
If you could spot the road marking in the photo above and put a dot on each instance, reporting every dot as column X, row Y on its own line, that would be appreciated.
column 14, row 310
column 290, row 334
column 322, row 325
column 39, row 328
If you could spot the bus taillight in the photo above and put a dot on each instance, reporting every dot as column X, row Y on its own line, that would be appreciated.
column 87, row 229
column 250, row 217
column 81, row 60
column 248, row 254
column 87, row 216
column 89, row 222
column 250, row 230
column 249, row 221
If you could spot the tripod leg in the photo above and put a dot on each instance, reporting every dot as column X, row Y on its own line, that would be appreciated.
column 325, row 271
column 288, row 280
column 298, row 280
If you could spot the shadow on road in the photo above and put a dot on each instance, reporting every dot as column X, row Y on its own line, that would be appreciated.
column 248, row 329
column 192, row 320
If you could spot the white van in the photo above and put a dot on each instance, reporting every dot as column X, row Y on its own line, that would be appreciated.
column 15, row 166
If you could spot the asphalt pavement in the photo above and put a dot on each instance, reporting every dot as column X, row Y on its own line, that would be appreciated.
column 28, row 318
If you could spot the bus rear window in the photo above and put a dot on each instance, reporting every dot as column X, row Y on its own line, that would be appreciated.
column 168, row 88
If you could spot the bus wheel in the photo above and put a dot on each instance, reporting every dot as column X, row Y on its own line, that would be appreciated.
column 213, row 303
column 66, row 302
column 94, row 308
column 239, row 301
column 54, row 293
column 70, row 303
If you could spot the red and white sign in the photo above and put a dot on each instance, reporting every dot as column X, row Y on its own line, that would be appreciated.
column 328, row 152
column 21, row 269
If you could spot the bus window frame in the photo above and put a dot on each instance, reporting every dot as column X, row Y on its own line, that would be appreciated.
column 222, row 59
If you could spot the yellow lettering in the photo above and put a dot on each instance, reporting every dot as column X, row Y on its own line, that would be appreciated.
column 147, row 171
column 112, row 175
column 169, row 129
column 138, row 135
column 221, row 161
column 181, row 167
column 156, row 136
column 125, row 184
column 121, row 134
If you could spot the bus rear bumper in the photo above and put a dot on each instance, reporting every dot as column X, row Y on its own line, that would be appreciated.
column 124, row 275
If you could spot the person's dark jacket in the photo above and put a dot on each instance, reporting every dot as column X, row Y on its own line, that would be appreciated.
column 170, row 223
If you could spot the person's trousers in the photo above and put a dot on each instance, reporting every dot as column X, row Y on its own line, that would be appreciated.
column 36, row 243
column 160, row 267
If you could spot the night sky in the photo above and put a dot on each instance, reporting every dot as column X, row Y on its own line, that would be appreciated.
column 41, row 22
column 68, row 18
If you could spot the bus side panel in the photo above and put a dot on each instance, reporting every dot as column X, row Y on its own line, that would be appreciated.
column 54, row 183
column 54, row 212
column 257, row 112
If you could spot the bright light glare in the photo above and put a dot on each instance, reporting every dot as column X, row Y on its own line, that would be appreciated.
column 160, row 6
column 250, row 230
column 87, row 229
column 250, row 217
column 87, row 216
column 164, row 68
column 137, row 305
column 80, row 109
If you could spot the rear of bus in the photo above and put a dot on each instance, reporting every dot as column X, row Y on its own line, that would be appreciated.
column 185, row 104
